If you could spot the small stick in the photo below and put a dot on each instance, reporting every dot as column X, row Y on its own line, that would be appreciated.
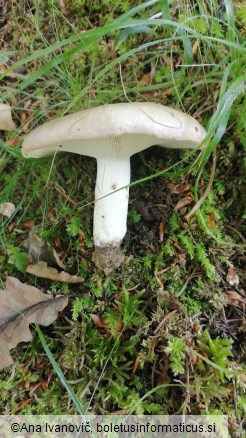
column 166, row 317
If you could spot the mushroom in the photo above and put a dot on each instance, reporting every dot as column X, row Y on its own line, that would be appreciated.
column 6, row 122
column 111, row 134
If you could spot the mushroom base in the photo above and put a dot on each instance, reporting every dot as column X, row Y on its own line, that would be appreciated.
column 107, row 258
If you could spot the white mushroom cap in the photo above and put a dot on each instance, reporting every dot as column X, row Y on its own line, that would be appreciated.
column 121, row 129
column 6, row 122
column 111, row 134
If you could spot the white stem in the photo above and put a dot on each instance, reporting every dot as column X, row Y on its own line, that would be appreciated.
column 110, row 212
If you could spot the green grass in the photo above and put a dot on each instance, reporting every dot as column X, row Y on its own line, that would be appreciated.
column 197, row 63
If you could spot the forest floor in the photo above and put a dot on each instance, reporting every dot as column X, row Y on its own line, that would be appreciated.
column 164, row 333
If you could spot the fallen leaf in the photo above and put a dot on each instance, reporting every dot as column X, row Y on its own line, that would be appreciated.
column 99, row 321
column 14, row 141
column 231, row 277
column 21, row 305
column 39, row 250
column 27, row 225
column 6, row 122
column 11, row 227
column 194, row 359
column 235, row 299
column 23, row 116
column 25, row 127
column 168, row 60
column 145, row 79
column 179, row 188
column 81, row 235
column 7, row 209
column 27, row 104
column 187, row 200
column 57, row 242
column 41, row 269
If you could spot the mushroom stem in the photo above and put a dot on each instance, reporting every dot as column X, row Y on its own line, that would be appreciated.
column 110, row 213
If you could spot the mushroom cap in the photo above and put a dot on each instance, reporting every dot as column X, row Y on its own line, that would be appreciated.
column 120, row 129
column 6, row 122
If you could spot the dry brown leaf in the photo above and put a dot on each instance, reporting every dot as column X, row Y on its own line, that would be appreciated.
column 11, row 227
column 41, row 269
column 27, row 225
column 21, row 305
column 14, row 141
column 145, row 79
column 98, row 321
column 39, row 250
column 7, row 209
column 6, row 122
column 235, row 299
column 187, row 200
column 179, row 188
column 168, row 60
column 231, row 277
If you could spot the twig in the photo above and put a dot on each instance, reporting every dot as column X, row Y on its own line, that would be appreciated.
column 186, row 403
column 166, row 317
column 237, row 232
column 63, row 193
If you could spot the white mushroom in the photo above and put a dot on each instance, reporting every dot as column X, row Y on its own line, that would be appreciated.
column 6, row 122
column 111, row 134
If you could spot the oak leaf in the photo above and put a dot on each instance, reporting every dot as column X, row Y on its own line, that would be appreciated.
column 42, row 270
column 22, row 305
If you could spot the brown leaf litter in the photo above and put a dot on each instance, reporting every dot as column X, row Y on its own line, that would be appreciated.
column 42, row 270
column 22, row 305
